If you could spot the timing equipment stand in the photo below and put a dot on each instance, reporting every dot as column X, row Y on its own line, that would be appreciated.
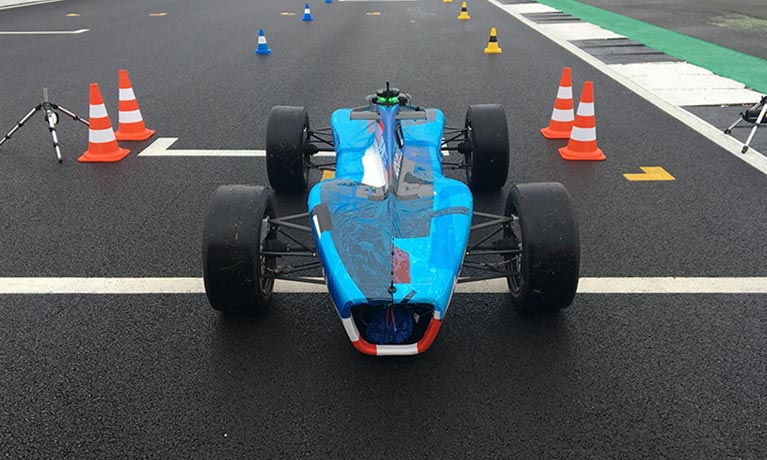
column 51, row 117
column 754, row 116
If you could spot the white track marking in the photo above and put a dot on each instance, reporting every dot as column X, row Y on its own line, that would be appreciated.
column 159, row 148
column 729, row 143
column 8, row 4
column 527, row 8
column 44, row 32
column 657, row 285
column 685, row 84
column 579, row 31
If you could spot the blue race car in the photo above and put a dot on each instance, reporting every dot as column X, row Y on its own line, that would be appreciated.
column 390, row 233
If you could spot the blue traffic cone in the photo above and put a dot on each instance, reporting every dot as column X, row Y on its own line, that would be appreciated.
column 263, row 48
column 307, row 14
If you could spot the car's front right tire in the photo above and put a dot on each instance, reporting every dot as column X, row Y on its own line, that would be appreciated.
column 544, row 273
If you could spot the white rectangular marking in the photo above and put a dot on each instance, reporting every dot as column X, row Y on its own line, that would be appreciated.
column 701, row 96
column 527, row 8
column 685, row 84
column 44, row 32
column 579, row 31
column 153, row 285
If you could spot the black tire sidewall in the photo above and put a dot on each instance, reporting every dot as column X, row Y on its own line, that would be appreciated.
column 550, row 261
column 231, row 249
column 488, row 134
column 285, row 149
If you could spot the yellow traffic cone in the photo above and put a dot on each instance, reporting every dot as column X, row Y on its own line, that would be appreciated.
column 464, row 13
column 492, row 44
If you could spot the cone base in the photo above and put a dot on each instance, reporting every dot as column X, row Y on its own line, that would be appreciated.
column 463, row 18
column 307, row 18
column 113, row 157
column 549, row 133
column 494, row 50
column 263, row 52
column 139, row 136
column 572, row 155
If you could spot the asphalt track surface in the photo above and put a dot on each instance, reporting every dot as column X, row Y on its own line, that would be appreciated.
column 615, row 376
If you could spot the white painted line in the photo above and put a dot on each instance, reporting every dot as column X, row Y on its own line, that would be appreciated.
column 159, row 148
column 703, row 96
column 579, row 31
column 658, row 285
column 8, row 4
column 660, row 69
column 527, row 8
column 688, row 82
column 44, row 32
column 714, row 134
column 685, row 84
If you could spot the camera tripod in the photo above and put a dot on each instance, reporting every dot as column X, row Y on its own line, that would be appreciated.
column 755, row 116
column 51, row 117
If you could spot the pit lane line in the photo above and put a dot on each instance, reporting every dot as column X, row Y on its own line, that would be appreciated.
column 730, row 144
column 191, row 285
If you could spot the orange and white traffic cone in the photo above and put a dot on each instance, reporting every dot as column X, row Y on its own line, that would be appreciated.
column 583, row 137
column 102, row 144
column 563, row 115
column 131, row 125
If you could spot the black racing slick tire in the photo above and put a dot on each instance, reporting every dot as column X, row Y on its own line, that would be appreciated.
column 544, row 275
column 488, row 161
column 233, row 268
column 286, row 140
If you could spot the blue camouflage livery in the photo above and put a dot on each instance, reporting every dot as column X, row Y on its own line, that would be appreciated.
column 390, row 228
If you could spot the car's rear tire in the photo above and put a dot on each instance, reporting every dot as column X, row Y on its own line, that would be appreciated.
column 488, row 161
column 545, row 273
column 286, row 138
column 233, row 267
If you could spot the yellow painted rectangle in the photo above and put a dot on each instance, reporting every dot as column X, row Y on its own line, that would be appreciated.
column 373, row 13
column 285, row 13
column 158, row 14
column 651, row 173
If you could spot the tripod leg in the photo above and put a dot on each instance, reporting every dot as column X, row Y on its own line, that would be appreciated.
column 753, row 130
column 737, row 122
column 50, row 117
column 70, row 114
column 20, row 124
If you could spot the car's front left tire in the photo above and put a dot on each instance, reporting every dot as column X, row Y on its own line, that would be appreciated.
column 234, row 270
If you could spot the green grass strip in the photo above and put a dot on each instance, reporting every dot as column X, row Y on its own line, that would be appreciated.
column 741, row 67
